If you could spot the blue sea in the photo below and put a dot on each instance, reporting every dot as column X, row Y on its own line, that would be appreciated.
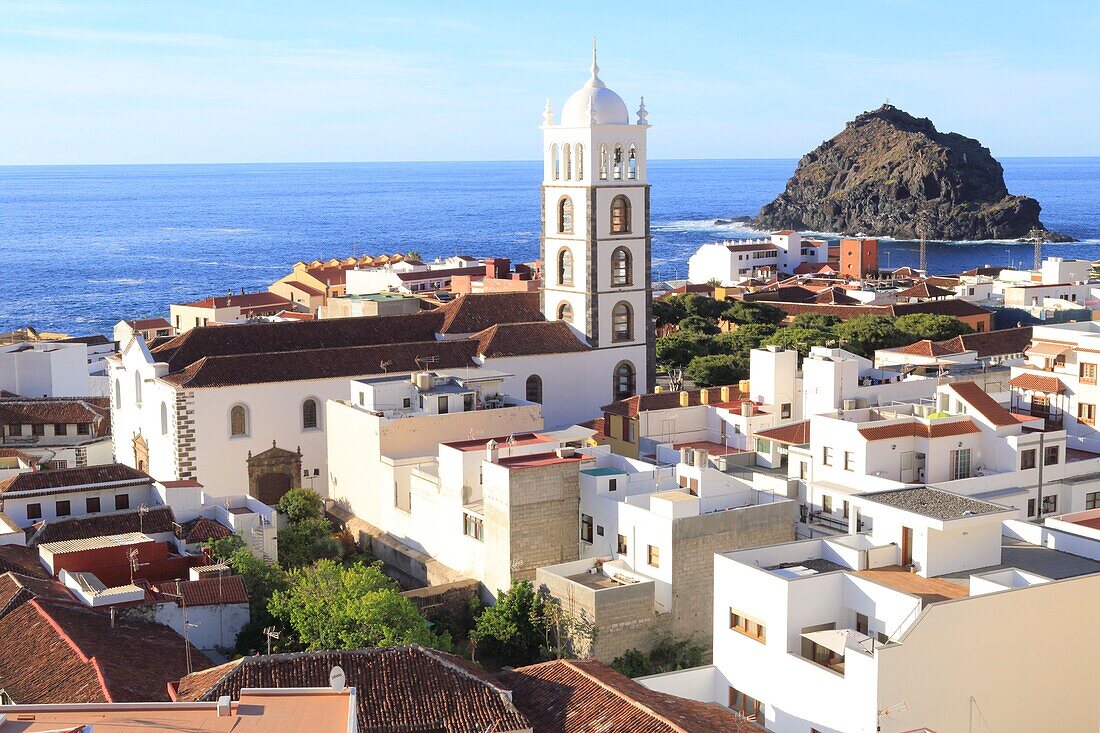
column 88, row 245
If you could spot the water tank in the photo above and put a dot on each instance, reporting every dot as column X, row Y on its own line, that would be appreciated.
column 743, row 386
column 700, row 457
column 746, row 409
column 849, row 404
column 942, row 401
column 423, row 380
column 685, row 456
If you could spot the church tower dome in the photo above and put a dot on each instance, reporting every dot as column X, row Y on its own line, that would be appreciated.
column 594, row 103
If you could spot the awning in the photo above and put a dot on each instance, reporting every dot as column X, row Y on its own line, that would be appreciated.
column 1047, row 349
column 837, row 640
column 573, row 434
column 1037, row 383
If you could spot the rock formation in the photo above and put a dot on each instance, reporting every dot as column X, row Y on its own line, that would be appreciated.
column 891, row 174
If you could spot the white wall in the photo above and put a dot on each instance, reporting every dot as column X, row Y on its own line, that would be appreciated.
column 45, row 369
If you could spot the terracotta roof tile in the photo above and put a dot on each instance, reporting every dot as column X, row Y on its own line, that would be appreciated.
column 793, row 434
column 201, row 529
column 56, row 410
column 526, row 339
column 916, row 429
column 400, row 690
column 147, row 324
column 631, row 406
column 478, row 311
column 22, row 560
column 155, row 521
column 994, row 343
column 924, row 290
column 927, row 347
column 574, row 696
column 245, row 301
column 1037, row 383
column 223, row 590
column 983, row 404
column 66, row 478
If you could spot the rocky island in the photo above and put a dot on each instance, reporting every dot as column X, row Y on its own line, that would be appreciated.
column 891, row 174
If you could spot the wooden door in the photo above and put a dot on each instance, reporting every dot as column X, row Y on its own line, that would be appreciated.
column 906, row 546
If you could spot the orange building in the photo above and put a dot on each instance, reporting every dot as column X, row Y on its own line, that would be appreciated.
column 858, row 258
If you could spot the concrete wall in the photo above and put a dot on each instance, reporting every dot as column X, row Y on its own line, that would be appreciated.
column 45, row 369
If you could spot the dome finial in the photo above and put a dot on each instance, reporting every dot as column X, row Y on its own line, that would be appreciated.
column 643, row 113
column 594, row 80
column 548, row 114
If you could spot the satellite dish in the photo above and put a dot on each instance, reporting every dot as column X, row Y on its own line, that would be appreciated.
column 336, row 679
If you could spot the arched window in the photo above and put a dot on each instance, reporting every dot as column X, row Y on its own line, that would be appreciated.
column 621, row 270
column 164, row 418
column 565, row 313
column 565, row 267
column 555, row 164
column 618, row 163
column 620, row 215
column 137, row 388
column 534, row 388
column 604, row 161
column 622, row 322
column 623, row 381
column 567, row 158
column 238, row 420
column 565, row 215
column 578, row 151
column 118, row 393
column 632, row 163
column 309, row 414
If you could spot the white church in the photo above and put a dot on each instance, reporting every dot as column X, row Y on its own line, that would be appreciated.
column 241, row 408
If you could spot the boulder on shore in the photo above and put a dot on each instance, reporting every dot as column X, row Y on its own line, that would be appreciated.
column 891, row 174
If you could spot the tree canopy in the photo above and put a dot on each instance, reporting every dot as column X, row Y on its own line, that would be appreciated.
column 801, row 339
column 865, row 334
column 678, row 349
column 330, row 606
column 699, row 324
column 716, row 369
column 745, row 312
column 512, row 632
column 928, row 326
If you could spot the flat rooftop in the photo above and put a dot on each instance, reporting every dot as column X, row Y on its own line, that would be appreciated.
column 929, row 590
column 535, row 460
column 715, row 449
column 503, row 442
column 604, row 471
column 96, row 543
column 934, row 503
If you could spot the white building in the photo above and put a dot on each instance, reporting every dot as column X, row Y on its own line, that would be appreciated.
column 231, row 308
column 61, row 432
column 410, row 277
column 48, row 496
column 46, row 369
column 734, row 261
column 932, row 621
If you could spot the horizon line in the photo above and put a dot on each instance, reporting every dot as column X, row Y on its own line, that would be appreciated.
column 431, row 162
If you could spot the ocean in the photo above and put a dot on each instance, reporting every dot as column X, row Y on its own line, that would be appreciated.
column 86, row 246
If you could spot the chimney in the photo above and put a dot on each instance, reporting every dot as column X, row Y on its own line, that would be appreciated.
column 685, row 398
column 704, row 396
column 225, row 707
column 726, row 393
column 491, row 451
column 685, row 456
column 746, row 409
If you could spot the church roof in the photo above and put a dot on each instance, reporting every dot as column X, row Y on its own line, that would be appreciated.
column 527, row 339
column 473, row 313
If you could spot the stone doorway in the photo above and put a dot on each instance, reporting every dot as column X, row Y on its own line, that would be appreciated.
column 273, row 473
column 141, row 453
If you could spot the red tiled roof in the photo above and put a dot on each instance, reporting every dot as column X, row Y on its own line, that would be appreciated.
column 54, row 651
column 526, row 339
column 793, row 434
column 950, row 307
column 574, row 696
column 785, row 232
column 244, row 301
column 201, row 529
column 478, row 311
column 28, row 458
column 400, row 690
column 330, row 274
column 927, row 347
column 56, row 410
column 924, row 290
column 21, row 560
column 631, row 406
column 1037, row 383
column 991, row 343
column 752, row 247
column 148, row 324
column 983, row 404
column 156, row 520
column 440, row 274
column 219, row 591
column 307, row 289
column 114, row 474
column 915, row 429
column 1047, row 349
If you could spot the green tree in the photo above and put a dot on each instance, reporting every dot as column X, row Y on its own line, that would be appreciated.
column 512, row 631
column 222, row 548
column 412, row 254
column 703, row 306
column 927, row 326
column 745, row 312
column 678, row 349
column 261, row 579
column 865, row 334
column 717, row 369
column 633, row 663
column 669, row 310
column 819, row 321
column 744, row 339
column 300, row 543
column 801, row 339
column 699, row 324
column 667, row 653
column 301, row 504
column 330, row 606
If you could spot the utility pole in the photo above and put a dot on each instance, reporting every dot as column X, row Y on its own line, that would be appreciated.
column 1038, row 252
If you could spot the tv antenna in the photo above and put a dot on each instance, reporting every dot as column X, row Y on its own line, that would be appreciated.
column 134, row 564
column 142, row 511
column 336, row 679
column 270, row 633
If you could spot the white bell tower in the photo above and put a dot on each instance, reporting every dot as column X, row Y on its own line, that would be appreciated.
column 595, row 240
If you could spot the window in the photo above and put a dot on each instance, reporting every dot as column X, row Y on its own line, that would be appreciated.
column 238, row 421
column 803, row 470
column 631, row 431
column 92, row 504
column 34, row 511
column 653, row 556
column 863, row 624
column 826, row 503
column 1027, row 459
column 83, row 428
column 567, row 159
column 599, row 530
column 137, row 388
column 1050, row 455
column 617, row 163
column 122, row 502
column 15, row 430
column 473, row 526
column 1088, row 372
column 60, row 429
column 849, row 461
column 845, row 509
column 763, row 445
column 960, row 464
column 613, row 484
column 1031, row 507
column 55, row 465
column 604, row 160
column 586, row 528
column 747, row 706
column 164, row 418
column 1050, row 504
column 555, row 164
column 309, row 414
column 565, row 313
column 468, row 402
column 623, row 386
column 785, row 410
column 534, row 388
column 565, row 267
column 63, row 508
column 565, row 215
column 118, row 393
column 443, row 405
column 622, row 328
column 620, row 544
column 747, row 626
column 38, row 429
column 1092, row 500
column 632, row 163
column 621, row 267
column 827, row 456
column 578, row 151
column 620, row 215
column 1086, row 413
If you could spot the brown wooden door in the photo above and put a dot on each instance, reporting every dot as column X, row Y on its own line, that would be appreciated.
column 906, row 546
column 273, row 486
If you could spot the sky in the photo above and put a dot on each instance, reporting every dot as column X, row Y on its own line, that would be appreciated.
column 108, row 81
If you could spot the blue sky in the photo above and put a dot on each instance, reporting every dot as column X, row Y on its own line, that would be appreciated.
column 101, row 81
